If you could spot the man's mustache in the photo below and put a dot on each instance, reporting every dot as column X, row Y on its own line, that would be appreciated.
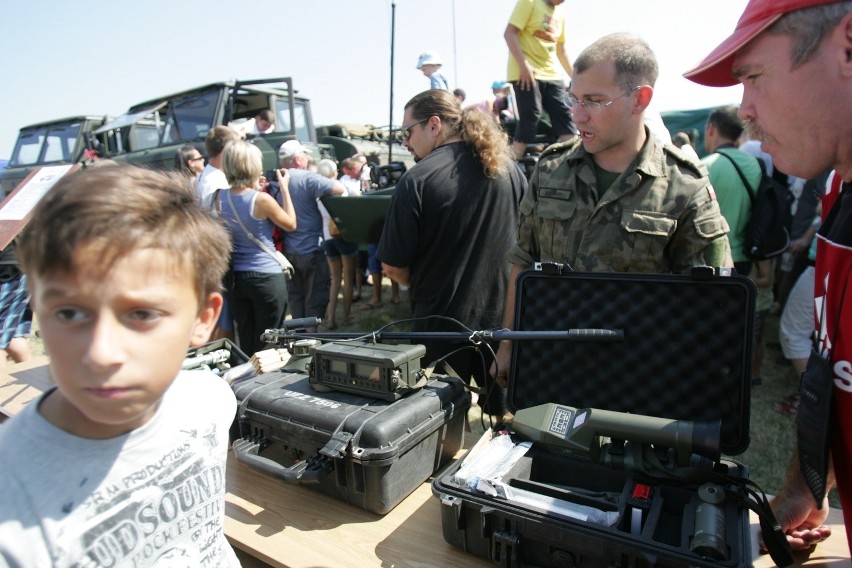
column 756, row 132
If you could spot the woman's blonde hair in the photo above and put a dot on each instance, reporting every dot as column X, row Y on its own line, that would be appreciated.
column 242, row 164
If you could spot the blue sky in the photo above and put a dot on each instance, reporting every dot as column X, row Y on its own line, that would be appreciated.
column 66, row 58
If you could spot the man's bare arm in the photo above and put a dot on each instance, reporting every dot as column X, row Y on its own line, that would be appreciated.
column 527, row 78
column 562, row 55
column 399, row 274
column 796, row 511
column 500, row 367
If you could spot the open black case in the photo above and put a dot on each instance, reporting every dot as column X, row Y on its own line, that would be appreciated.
column 683, row 353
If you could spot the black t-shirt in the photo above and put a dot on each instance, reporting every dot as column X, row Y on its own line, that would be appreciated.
column 452, row 226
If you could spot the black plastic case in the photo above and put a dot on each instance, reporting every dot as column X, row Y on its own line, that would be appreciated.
column 368, row 452
column 685, row 355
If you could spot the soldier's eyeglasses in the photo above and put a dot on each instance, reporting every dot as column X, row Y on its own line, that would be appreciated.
column 595, row 107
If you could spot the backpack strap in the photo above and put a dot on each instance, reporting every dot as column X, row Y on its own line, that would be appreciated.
column 751, row 192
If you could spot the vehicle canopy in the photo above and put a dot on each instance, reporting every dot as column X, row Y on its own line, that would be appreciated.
column 54, row 142
column 151, row 132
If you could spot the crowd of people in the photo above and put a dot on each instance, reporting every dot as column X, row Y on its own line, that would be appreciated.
column 611, row 195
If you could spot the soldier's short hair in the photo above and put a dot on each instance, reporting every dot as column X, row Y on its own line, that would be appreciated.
column 635, row 62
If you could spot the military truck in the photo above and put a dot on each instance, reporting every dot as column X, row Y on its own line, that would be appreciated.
column 51, row 143
column 151, row 132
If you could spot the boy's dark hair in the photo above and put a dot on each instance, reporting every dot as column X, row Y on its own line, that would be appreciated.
column 267, row 115
column 119, row 209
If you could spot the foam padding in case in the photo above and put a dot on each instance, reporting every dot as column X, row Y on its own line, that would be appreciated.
column 686, row 352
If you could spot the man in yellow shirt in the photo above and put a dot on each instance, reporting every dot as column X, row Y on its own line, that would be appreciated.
column 535, row 36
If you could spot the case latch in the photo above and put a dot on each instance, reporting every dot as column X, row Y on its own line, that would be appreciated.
column 552, row 267
column 504, row 548
column 337, row 446
column 709, row 272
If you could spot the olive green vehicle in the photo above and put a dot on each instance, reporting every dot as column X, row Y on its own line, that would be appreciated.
column 51, row 143
column 151, row 132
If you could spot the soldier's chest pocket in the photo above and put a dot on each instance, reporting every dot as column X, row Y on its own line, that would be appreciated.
column 557, row 216
column 646, row 233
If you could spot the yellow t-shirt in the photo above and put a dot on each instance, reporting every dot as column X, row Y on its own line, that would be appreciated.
column 542, row 28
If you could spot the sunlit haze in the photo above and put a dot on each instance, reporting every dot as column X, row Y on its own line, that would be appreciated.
column 63, row 58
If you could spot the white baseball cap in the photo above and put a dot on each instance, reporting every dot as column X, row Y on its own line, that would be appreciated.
column 290, row 148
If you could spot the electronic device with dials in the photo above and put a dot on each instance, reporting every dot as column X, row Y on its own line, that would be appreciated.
column 378, row 370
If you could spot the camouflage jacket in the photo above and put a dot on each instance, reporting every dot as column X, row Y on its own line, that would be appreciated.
column 661, row 215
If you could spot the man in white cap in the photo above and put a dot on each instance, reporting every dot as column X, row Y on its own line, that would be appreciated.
column 308, row 290
column 430, row 64
column 794, row 59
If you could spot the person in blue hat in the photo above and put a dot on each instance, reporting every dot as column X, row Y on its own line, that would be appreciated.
column 430, row 64
column 503, row 106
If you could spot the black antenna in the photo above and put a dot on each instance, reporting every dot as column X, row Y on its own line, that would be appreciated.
column 390, row 122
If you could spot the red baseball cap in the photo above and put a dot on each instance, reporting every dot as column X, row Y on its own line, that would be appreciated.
column 715, row 69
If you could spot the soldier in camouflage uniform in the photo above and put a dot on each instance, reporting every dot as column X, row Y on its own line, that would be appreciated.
column 660, row 217
column 614, row 199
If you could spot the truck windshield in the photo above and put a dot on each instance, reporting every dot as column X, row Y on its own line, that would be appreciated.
column 45, row 145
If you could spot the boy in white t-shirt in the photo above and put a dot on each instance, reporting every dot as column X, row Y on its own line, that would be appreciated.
column 123, row 462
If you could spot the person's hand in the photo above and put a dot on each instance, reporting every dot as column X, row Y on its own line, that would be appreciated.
column 799, row 518
column 262, row 182
column 500, row 367
column 527, row 79
column 798, row 245
column 283, row 175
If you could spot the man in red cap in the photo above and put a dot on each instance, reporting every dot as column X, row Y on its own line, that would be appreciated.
column 794, row 59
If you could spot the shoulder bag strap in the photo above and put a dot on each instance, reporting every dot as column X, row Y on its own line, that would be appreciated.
column 751, row 192
column 249, row 234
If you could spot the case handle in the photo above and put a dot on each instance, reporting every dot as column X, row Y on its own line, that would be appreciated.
column 305, row 471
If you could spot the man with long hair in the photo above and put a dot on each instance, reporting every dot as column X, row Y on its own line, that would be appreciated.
column 452, row 219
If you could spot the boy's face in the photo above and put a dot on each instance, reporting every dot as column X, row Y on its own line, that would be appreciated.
column 116, row 340
column 428, row 69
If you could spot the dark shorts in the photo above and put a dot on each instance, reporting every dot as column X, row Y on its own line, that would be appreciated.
column 310, row 284
column 16, row 317
column 550, row 96
column 335, row 248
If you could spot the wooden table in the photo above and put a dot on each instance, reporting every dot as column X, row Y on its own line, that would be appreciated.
column 296, row 527
column 22, row 382
column 293, row 526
